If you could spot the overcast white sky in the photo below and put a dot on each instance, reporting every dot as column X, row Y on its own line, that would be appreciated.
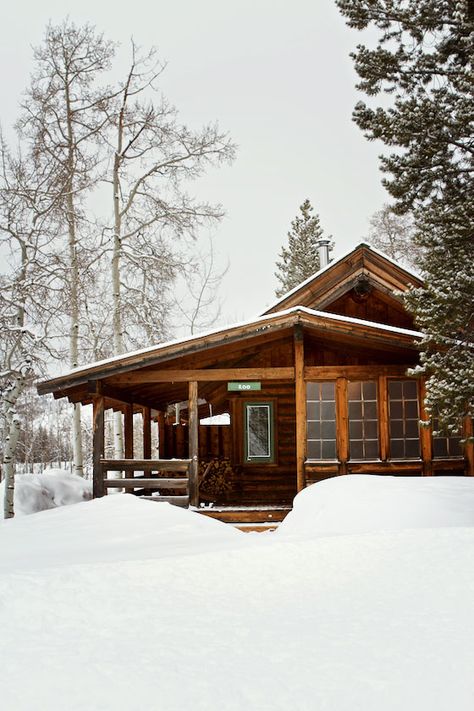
column 277, row 76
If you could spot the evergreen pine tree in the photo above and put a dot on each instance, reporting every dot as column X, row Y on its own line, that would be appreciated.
column 300, row 259
column 424, row 62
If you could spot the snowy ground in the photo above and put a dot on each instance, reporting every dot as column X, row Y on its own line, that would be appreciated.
column 120, row 604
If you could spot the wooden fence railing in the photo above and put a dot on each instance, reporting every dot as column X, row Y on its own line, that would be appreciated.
column 154, row 477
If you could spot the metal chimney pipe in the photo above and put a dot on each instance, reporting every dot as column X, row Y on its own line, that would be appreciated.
column 323, row 250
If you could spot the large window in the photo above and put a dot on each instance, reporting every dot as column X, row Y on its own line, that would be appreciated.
column 363, row 422
column 403, row 419
column 259, row 432
column 446, row 446
column 321, row 416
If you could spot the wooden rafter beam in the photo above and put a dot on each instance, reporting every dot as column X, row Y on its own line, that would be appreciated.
column 331, row 372
column 204, row 375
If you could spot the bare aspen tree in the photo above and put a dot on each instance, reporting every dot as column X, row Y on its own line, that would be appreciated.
column 63, row 116
column 393, row 235
column 154, row 155
column 27, row 289
column 199, row 306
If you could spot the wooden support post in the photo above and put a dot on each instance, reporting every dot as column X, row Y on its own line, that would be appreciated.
column 146, row 433
column 193, row 443
column 300, row 407
column 469, row 446
column 426, row 441
column 383, row 418
column 128, row 436
column 342, row 424
column 128, row 427
column 161, row 435
column 98, row 447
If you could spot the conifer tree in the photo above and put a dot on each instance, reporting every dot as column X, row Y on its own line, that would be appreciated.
column 300, row 259
column 423, row 65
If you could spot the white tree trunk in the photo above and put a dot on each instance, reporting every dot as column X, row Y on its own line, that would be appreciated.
column 12, row 432
column 78, row 467
column 117, row 297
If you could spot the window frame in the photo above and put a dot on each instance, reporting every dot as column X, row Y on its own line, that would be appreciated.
column 271, row 459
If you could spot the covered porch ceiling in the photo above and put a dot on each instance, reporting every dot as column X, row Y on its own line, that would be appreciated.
column 257, row 350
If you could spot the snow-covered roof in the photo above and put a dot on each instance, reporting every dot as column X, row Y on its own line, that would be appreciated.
column 259, row 323
column 332, row 264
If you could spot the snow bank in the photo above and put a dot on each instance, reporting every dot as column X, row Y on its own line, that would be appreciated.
column 374, row 622
column 39, row 492
column 120, row 527
column 364, row 503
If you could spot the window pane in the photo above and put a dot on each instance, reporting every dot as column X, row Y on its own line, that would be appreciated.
column 258, row 431
column 355, row 410
column 370, row 410
column 369, row 389
column 353, row 390
column 371, row 449
column 395, row 389
column 328, row 410
column 327, row 391
column 314, row 449
column 412, row 448
column 328, row 430
column 363, row 423
column 410, row 390
column 313, row 410
column 328, row 449
column 314, row 430
column 371, row 429
column 396, row 409
column 404, row 416
column 312, row 391
column 355, row 429
column 357, row 450
column 446, row 445
column 321, row 420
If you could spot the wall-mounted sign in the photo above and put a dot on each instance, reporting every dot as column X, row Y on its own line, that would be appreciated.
column 244, row 387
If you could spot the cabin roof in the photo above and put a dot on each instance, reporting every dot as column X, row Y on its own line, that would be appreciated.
column 165, row 353
column 323, row 287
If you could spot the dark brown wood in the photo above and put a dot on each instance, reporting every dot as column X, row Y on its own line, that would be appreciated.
column 384, row 441
column 161, row 435
column 146, row 433
column 247, row 515
column 128, row 431
column 426, row 441
column 204, row 375
column 469, row 447
column 193, row 444
column 175, row 500
column 147, row 465
column 300, row 408
column 353, row 372
column 147, row 483
column 385, row 467
column 98, row 446
column 342, row 421
column 321, row 291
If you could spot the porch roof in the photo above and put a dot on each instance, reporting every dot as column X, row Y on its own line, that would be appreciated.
column 209, row 347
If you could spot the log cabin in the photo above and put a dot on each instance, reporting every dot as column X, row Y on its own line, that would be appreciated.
column 317, row 386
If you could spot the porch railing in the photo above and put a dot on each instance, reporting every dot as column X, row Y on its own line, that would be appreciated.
column 155, row 475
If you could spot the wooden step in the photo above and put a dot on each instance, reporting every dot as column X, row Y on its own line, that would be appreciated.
column 175, row 500
column 247, row 515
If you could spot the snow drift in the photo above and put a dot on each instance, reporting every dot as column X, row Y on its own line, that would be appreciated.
column 39, row 492
column 364, row 503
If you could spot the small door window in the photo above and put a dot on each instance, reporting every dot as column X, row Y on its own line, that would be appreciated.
column 259, row 432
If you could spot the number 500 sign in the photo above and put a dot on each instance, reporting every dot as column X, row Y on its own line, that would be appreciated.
column 243, row 387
